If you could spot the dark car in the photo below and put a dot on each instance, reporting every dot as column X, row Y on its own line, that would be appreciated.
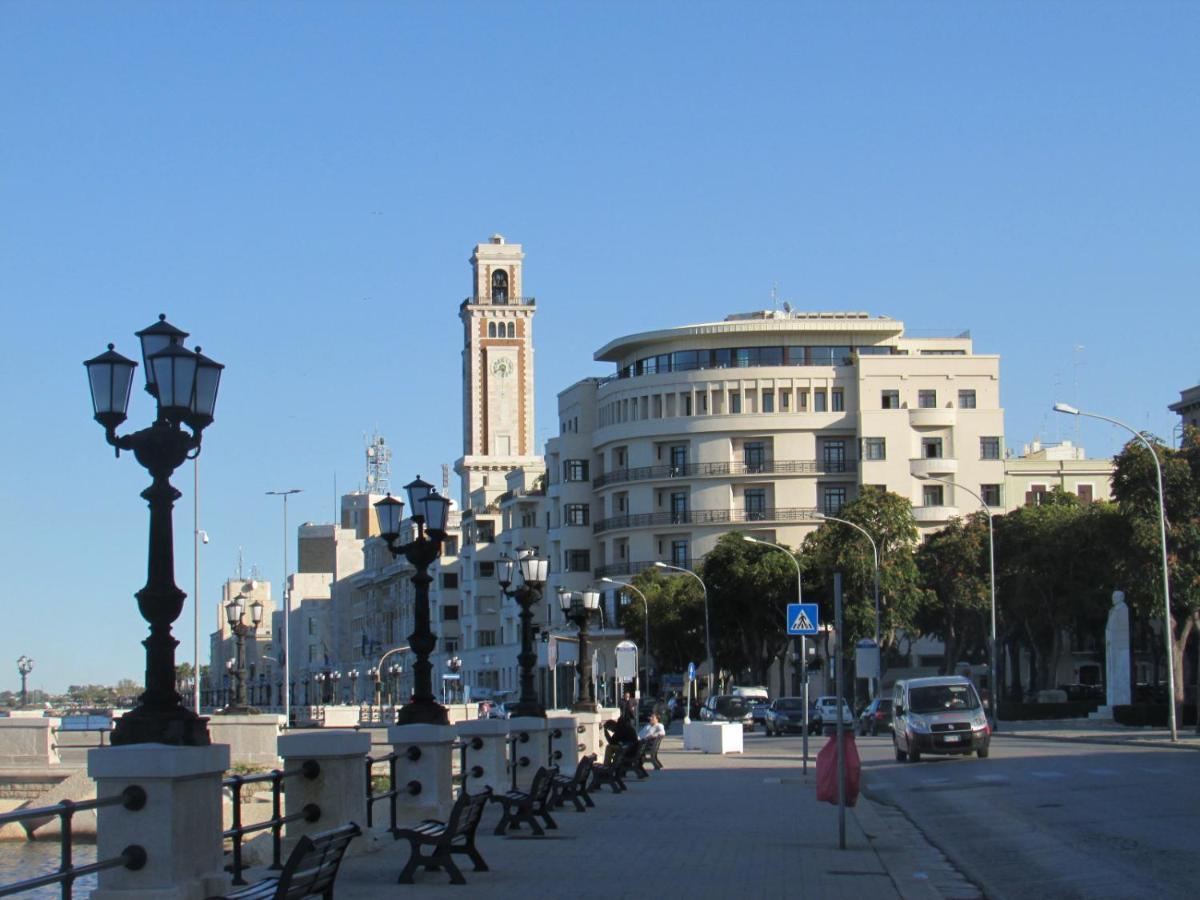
column 876, row 717
column 728, row 708
column 785, row 715
column 648, row 705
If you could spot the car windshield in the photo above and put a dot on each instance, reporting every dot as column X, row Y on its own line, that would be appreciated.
column 941, row 697
column 731, row 706
column 789, row 704
column 885, row 704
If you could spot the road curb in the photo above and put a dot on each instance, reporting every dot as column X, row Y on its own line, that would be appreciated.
column 1093, row 739
column 896, row 860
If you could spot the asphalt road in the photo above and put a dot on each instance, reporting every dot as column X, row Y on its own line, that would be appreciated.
column 1042, row 819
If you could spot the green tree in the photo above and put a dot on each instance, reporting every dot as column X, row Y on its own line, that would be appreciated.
column 1136, row 492
column 834, row 547
column 676, row 606
column 749, row 588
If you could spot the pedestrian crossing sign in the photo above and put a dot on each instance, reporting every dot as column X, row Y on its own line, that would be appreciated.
column 802, row 618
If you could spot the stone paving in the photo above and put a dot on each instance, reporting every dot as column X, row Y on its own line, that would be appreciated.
column 705, row 826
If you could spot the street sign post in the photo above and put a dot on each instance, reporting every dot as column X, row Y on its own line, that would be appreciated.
column 803, row 618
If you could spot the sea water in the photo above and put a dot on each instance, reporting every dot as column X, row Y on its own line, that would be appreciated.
column 27, row 859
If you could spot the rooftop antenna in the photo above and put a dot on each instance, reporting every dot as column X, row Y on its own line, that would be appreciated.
column 1076, row 352
column 445, row 479
column 775, row 296
column 379, row 465
column 240, row 561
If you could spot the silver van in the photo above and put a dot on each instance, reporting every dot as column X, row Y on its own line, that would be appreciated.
column 938, row 715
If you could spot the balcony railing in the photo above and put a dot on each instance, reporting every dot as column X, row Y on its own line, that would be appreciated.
column 633, row 568
column 709, row 517
column 710, row 469
column 510, row 301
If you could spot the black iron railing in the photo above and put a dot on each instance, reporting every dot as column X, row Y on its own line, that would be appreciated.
column 132, row 857
column 633, row 568
column 465, row 770
column 395, row 789
column 709, row 517
column 516, row 760
column 309, row 769
column 732, row 468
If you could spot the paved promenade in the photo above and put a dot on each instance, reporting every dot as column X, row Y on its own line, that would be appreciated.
column 705, row 826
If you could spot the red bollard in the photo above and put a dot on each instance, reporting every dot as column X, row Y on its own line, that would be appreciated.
column 827, row 769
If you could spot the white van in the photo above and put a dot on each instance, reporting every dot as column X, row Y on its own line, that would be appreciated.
column 938, row 715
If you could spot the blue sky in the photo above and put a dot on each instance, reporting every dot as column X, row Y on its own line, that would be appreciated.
column 299, row 186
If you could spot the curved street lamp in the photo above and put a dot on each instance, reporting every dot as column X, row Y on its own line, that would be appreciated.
column 707, row 641
column 875, row 553
column 987, row 510
column 625, row 585
column 533, row 571
column 184, row 383
column 578, row 607
column 429, row 513
column 1162, row 536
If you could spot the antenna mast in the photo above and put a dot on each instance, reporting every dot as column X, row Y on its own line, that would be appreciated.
column 379, row 465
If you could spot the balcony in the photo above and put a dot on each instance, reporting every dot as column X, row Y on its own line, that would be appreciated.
column 933, row 465
column 708, row 517
column 726, row 470
column 935, row 513
column 510, row 301
column 932, row 418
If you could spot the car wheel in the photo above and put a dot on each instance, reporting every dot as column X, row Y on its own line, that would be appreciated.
column 914, row 754
column 982, row 752
column 874, row 729
column 901, row 756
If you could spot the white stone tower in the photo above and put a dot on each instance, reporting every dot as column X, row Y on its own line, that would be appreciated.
column 497, row 321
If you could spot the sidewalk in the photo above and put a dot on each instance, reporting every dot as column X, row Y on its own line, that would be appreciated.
column 705, row 826
column 1088, row 731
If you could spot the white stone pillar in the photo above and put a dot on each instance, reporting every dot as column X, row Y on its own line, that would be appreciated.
column 425, row 765
column 491, row 756
column 252, row 739
column 340, row 790
column 563, row 739
column 592, row 736
column 179, row 827
column 530, row 752
column 29, row 741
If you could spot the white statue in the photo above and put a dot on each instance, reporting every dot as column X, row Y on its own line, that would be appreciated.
column 1116, row 652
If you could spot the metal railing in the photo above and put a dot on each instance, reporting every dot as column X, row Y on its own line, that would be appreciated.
column 553, row 756
column 709, row 517
column 133, row 857
column 464, row 772
column 633, row 568
column 514, row 761
column 731, row 468
column 309, row 769
column 412, row 788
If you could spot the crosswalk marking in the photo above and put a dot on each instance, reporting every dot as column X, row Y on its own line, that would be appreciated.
column 1104, row 772
column 1047, row 774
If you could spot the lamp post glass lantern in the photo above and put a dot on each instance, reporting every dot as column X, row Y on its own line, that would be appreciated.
column 532, row 571
column 429, row 513
column 24, row 667
column 578, row 608
column 184, row 383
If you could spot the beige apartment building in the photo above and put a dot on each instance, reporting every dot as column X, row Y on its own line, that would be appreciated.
column 1042, row 468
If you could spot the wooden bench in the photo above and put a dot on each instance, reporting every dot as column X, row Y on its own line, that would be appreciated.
column 617, row 759
column 649, row 753
column 310, row 870
column 455, row 835
column 575, row 787
column 528, row 806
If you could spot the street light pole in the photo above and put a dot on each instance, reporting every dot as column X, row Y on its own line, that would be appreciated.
column 987, row 510
column 184, row 383
column 533, row 571
column 646, row 623
column 875, row 553
column 1162, row 536
column 707, row 641
column 287, row 611
column 578, row 607
column 24, row 666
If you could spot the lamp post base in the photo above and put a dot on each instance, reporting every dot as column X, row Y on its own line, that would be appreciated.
column 586, row 706
column 527, row 709
column 418, row 712
column 238, row 711
column 179, row 727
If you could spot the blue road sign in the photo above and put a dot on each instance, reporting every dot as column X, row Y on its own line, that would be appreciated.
column 691, row 671
column 802, row 618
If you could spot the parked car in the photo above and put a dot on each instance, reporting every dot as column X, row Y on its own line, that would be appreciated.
column 938, row 715
column 758, row 698
column 727, row 708
column 825, row 712
column 654, row 705
column 785, row 715
column 876, row 717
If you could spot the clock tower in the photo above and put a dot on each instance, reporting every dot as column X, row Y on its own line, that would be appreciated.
column 497, row 373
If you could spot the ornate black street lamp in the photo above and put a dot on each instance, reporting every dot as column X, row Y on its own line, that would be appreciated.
column 429, row 513
column 235, row 611
column 395, row 670
column 353, row 673
column 578, row 609
column 24, row 666
column 454, row 664
column 184, row 382
column 533, row 572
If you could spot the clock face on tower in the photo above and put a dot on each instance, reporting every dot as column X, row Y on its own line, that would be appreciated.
column 502, row 368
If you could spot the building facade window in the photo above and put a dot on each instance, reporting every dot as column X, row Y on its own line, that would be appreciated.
column 735, row 402
column 575, row 470
column 989, row 448
column 681, row 554
column 1084, row 492
column 931, row 448
column 966, row 399
column 819, row 401
column 890, row 399
column 576, row 514
column 485, row 637
column 485, row 532
column 756, row 504
column 449, row 613
column 754, row 455
column 785, row 400
column 679, row 507
column 500, row 286
column 833, row 456
column 577, row 560
column 927, row 399
column 990, row 493
column 833, row 498
column 487, row 569
column 838, row 400
column 678, row 455
column 450, row 580
column 450, row 546
column 874, row 448
column 768, row 401
column 931, row 495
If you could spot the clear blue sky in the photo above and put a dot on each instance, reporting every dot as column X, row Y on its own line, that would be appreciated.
column 299, row 185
